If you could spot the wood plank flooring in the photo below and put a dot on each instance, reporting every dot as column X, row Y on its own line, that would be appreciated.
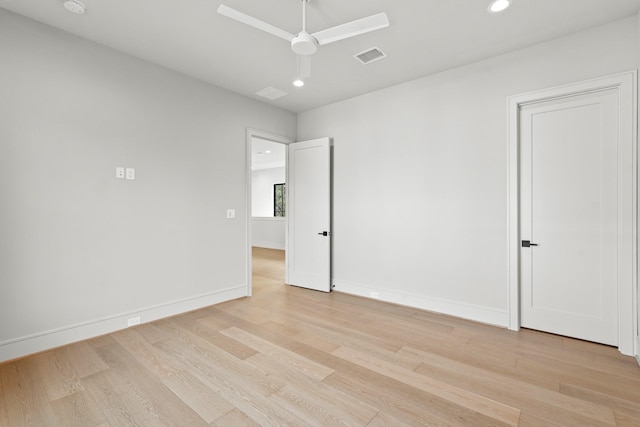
column 293, row 357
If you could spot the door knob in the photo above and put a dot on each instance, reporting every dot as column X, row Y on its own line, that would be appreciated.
column 527, row 243
column 324, row 233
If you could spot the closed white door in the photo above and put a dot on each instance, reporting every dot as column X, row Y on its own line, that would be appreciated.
column 569, row 216
column 309, row 215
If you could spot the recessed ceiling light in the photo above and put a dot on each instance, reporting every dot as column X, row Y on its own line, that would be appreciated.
column 75, row 6
column 499, row 5
column 298, row 82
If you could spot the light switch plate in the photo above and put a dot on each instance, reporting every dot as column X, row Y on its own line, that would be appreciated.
column 119, row 173
column 231, row 213
column 130, row 173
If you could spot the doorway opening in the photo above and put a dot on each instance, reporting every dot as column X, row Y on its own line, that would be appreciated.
column 268, row 269
column 266, row 207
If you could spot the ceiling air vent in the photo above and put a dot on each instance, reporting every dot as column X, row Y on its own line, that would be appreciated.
column 370, row 55
column 271, row 93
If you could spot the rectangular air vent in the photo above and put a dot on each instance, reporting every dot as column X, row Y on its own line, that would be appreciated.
column 271, row 93
column 370, row 55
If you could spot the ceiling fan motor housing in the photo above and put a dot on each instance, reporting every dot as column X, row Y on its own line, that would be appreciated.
column 304, row 44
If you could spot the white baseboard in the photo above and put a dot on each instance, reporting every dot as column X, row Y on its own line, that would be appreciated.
column 637, row 350
column 35, row 343
column 453, row 308
column 268, row 245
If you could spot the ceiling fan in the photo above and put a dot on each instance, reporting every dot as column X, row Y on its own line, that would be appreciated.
column 304, row 44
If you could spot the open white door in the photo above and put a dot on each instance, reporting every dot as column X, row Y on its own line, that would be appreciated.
column 309, row 215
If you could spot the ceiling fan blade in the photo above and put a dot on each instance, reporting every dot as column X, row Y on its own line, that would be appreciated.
column 253, row 22
column 351, row 29
column 304, row 66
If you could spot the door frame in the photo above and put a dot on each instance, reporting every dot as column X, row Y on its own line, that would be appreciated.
column 249, row 135
column 625, row 84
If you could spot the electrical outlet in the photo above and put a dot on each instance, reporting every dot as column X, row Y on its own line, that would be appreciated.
column 375, row 295
column 119, row 173
column 133, row 321
column 130, row 173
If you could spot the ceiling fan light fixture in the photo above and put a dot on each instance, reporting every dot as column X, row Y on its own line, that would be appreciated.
column 304, row 44
column 74, row 6
column 497, row 6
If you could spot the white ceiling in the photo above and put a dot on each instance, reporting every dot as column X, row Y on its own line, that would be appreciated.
column 267, row 154
column 424, row 37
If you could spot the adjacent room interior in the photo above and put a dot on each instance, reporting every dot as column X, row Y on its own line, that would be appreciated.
column 145, row 227
column 268, row 194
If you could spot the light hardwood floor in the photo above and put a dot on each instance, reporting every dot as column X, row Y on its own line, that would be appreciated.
column 289, row 356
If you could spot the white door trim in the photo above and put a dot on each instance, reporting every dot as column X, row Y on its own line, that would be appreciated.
column 250, row 134
column 625, row 84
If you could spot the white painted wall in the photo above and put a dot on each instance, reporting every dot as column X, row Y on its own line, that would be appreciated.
column 420, row 173
column 262, row 190
column 268, row 232
column 80, row 252
column 637, row 307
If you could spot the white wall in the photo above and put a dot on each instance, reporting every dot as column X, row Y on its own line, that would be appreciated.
column 637, row 326
column 262, row 190
column 80, row 252
column 268, row 232
column 420, row 173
